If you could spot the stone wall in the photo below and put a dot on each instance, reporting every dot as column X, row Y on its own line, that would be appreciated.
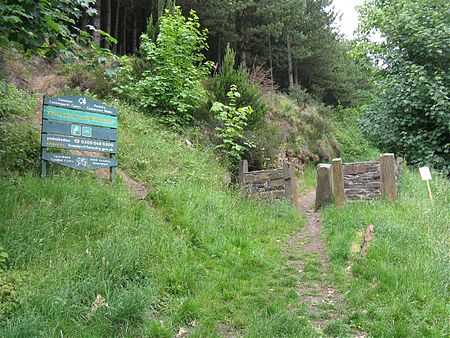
column 362, row 180
column 268, row 184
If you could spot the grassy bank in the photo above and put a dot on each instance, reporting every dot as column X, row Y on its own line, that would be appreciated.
column 401, row 289
column 84, row 259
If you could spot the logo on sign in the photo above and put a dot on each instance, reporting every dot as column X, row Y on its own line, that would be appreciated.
column 86, row 131
column 75, row 130
column 82, row 101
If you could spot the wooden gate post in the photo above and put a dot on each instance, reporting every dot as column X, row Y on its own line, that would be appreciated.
column 243, row 169
column 291, row 183
column 388, row 183
column 338, row 182
column 323, row 189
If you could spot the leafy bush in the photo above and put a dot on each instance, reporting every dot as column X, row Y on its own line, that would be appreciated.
column 43, row 26
column 234, row 121
column 411, row 111
column 228, row 76
column 171, row 86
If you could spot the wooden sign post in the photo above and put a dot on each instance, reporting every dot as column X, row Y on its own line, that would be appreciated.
column 425, row 173
column 82, row 124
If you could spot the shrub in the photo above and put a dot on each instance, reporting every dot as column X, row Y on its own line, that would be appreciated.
column 228, row 76
column 171, row 86
column 411, row 110
column 233, row 123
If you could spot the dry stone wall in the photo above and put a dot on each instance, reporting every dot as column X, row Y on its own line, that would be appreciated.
column 268, row 184
column 362, row 180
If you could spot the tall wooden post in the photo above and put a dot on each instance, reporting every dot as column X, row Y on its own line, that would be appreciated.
column 291, row 183
column 338, row 182
column 243, row 169
column 323, row 189
column 388, row 183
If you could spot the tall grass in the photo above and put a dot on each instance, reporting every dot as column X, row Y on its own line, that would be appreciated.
column 402, row 288
column 87, row 260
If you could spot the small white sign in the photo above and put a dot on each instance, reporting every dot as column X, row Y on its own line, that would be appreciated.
column 425, row 173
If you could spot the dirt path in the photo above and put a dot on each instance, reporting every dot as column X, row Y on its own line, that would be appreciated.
column 307, row 254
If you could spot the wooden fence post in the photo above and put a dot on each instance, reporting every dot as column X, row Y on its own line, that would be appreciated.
column 323, row 189
column 243, row 169
column 388, row 182
column 291, row 183
column 338, row 182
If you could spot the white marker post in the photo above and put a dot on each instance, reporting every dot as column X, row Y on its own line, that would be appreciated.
column 425, row 173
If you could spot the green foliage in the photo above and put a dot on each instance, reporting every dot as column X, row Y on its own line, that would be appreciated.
column 19, row 146
column 229, row 75
column 301, row 96
column 268, row 141
column 95, row 70
column 352, row 143
column 411, row 110
column 233, row 124
column 171, row 85
column 15, row 103
column 401, row 288
column 46, row 27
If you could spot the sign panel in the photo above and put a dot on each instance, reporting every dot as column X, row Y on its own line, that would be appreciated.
column 78, row 123
column 78, row 116
column 68, row 129
column 425, row 173
column 80, row 162
column 80, row 103
column 78, row 143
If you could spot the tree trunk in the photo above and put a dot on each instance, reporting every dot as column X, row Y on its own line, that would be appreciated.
column 134, row 31
column 155, row 11
column 271, row 62
column 290, row 67
column 97, row 21
column 124, row 32
column 116, row 27
column 244, row 59
column 84, row 21
column 219, row 50
column 107, row 21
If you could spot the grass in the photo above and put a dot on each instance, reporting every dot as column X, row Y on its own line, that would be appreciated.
column 307, row 181
column 87, row 260
column 402, row 288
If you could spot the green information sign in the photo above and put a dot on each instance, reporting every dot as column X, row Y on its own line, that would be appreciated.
column 80, row 124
